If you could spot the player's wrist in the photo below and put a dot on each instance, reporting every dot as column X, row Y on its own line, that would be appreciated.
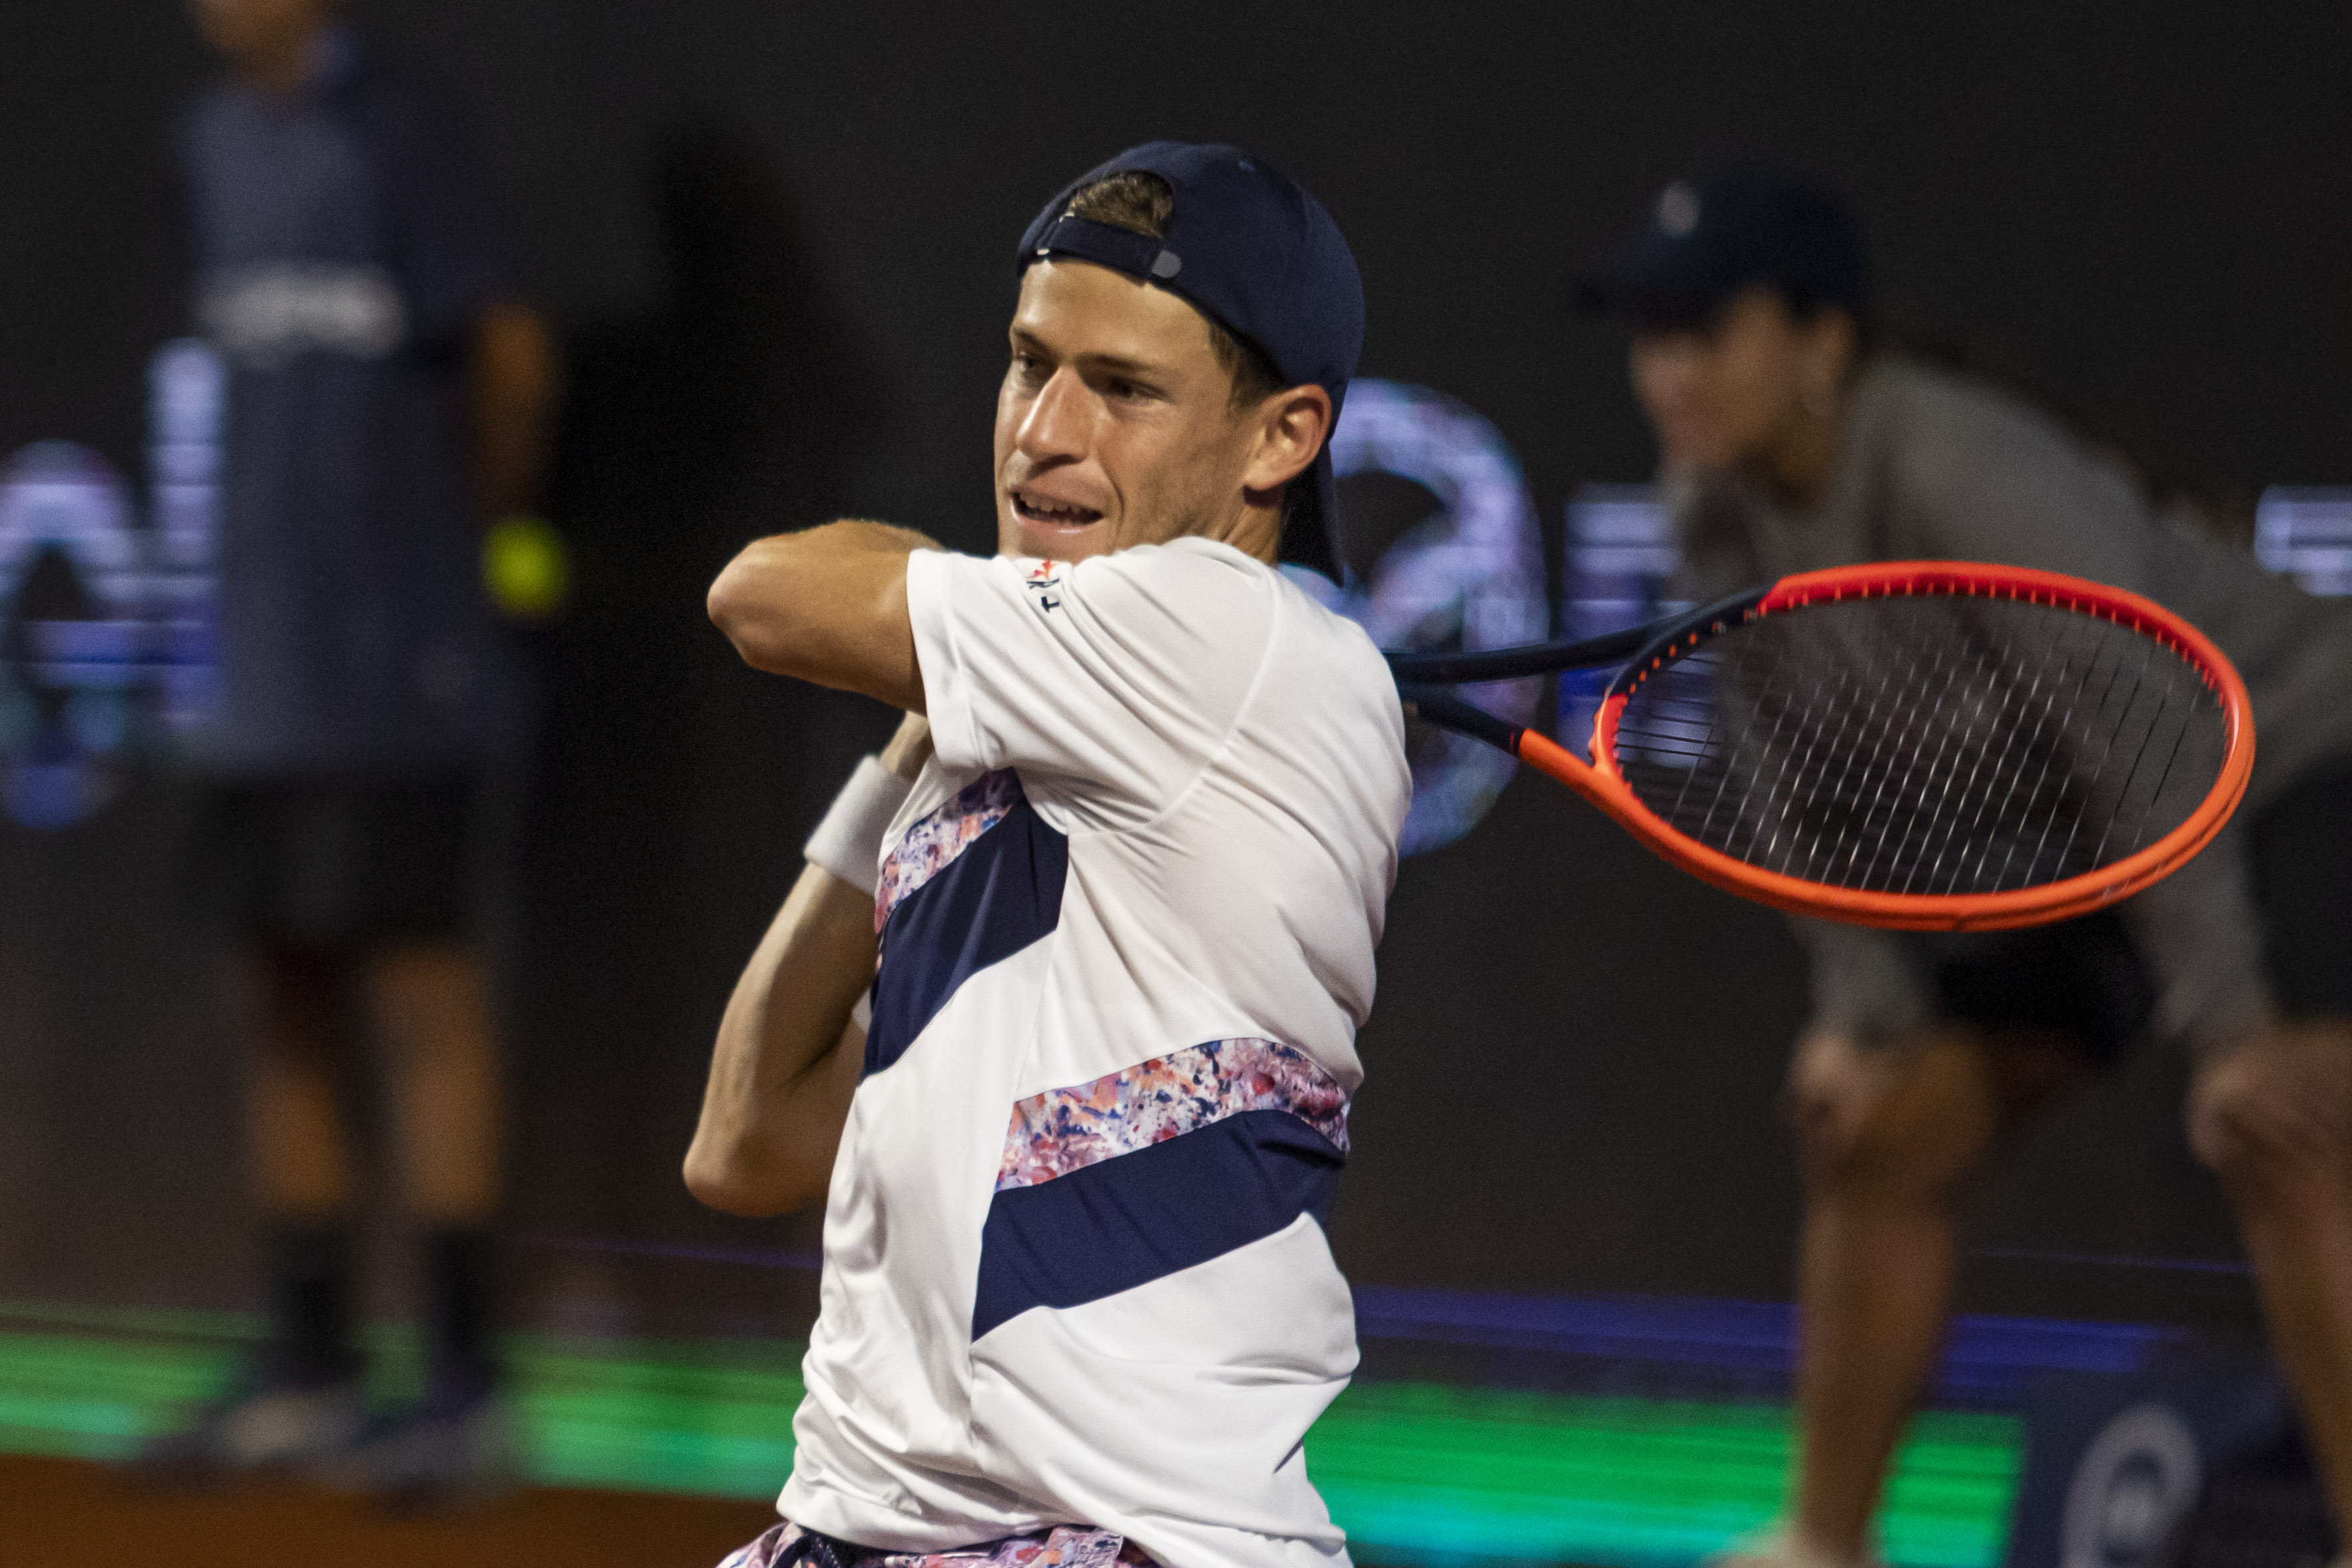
column 848, row 839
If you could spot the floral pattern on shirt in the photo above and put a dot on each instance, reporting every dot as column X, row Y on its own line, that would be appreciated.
column 1063, row 1546
column 932, row 845
column 1064, row 1130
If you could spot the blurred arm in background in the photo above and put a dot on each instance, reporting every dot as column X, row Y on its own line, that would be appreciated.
column 513, row 385
column 789, row 1054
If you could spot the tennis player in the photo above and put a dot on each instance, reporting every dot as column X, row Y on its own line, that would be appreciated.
column 1790, row 442
column 1128, row 871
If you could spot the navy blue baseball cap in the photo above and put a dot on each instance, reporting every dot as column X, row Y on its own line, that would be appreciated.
column 1717, row 234
column 1259, row 257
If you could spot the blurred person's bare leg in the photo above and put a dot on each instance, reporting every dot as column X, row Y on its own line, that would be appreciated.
column 301, row 1151
column 2274, row 1118
column 1884, row 1138
column 431, row 1005
column 302, row 1165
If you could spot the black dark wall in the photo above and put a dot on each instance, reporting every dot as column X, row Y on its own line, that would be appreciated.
column 776, row 237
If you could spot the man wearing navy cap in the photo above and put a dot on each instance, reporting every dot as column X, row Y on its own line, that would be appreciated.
column 1079, row 1127
column 1789, row 440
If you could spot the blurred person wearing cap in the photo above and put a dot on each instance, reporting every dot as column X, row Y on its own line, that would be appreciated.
column 1792, row 437
column 1078, row 1130
column 387, row 392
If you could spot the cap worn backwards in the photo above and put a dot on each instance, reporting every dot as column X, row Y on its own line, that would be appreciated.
column 1707, row 238
column 1256, row 254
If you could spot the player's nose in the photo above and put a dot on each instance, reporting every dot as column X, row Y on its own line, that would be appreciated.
column 1059, row 420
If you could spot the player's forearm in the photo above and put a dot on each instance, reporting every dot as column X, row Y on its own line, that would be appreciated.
column 787, row 1060
column 515, row 379
column 829, row 605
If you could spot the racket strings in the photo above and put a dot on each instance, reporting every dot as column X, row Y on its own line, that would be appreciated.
column 1930, row 745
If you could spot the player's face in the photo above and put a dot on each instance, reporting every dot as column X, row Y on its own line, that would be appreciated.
column 251, row 30
column 1727, row 394
column 1115, row 424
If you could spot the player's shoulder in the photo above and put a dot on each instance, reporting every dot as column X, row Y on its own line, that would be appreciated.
column 1239, row 602
column 1329, row 660
column 1204, row 564
column 1194, row 582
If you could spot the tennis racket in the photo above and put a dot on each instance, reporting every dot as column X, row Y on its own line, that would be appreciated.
column 1921, row 745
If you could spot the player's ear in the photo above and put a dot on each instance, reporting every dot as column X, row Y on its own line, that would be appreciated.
column 1292, row 425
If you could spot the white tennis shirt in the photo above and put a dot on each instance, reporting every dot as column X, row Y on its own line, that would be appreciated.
column 1075, row 1268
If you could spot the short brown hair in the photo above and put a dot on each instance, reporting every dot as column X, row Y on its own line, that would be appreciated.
column 1142, row 203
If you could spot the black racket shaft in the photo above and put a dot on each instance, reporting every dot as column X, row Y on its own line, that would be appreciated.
column 1544, row 658
column 1422, row 678
column 1442, row 708
column 1527, row 659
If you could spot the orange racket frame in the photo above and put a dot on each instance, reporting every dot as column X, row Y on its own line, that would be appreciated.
column 1599, row 781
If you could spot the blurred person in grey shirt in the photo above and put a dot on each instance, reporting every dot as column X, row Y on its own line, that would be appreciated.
column 1791, row 440
column 387, row 393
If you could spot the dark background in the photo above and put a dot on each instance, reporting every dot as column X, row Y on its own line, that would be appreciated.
column 776, row 240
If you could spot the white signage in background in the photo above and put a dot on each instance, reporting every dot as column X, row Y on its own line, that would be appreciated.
column 187, row 400
column 268, row 313
column 1620, row 555
column 2305, row 532
column 105, row 626
column 1471, row 577
column 70, row 632
column 2133, row 1484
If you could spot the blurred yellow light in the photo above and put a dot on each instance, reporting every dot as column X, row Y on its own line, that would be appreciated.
column 525, row 569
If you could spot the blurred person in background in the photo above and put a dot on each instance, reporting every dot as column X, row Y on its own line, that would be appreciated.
column 1793, row 437
column 387, row 396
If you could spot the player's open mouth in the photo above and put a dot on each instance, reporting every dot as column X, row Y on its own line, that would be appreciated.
column 1045, row 514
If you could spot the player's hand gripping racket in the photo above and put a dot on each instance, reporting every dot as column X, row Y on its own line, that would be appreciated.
column 1930, row 745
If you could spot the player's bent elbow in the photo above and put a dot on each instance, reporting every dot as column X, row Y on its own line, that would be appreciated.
column 750, row 1189
column 741, row 605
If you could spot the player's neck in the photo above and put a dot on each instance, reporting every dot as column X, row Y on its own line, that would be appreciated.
column 1254, row 531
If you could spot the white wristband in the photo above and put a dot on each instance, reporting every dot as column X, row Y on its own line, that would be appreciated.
column 848, row 843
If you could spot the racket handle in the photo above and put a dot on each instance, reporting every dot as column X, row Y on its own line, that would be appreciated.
column 1440, row 707
column 1532, row 747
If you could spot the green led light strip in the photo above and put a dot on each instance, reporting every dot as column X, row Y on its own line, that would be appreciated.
column 1416, row 1472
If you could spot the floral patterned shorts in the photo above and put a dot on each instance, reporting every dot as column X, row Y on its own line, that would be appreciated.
column 787, row 1545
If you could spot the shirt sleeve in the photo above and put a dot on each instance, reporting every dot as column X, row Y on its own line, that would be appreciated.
column 1111, row 683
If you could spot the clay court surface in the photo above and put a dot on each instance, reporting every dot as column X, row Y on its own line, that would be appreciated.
column 63, row 1514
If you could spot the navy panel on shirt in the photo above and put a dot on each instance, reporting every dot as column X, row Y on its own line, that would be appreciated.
column 1139, row 1217
column 1001, row 892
